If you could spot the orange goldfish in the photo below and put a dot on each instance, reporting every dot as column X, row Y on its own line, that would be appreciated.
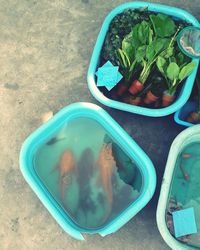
column 106, row 163
column 66, row 165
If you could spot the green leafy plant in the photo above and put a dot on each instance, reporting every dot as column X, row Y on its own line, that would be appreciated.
column 147, row 56
column 143, row 44
column 173, row 72
column 163, row 25
column 120, row 27
column 131, row 52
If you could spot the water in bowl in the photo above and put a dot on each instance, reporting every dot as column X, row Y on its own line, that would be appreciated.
column 87, row 173
column 185, row 190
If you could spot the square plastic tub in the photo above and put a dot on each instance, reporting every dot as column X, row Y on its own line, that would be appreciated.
column 181, row 115
column 41, row 150
column 91, row 78
column 185, row 138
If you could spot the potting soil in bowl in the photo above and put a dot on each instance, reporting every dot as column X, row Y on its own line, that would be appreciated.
column 185, row 193
column 87, row 174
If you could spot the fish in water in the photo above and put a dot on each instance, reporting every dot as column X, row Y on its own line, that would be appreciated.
column 186, row 156
column 65, row 166
column 125, row 166
column 54, row 140
column 185, row 174
column 106, row 163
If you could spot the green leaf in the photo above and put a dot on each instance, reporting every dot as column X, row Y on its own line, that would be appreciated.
column 127, row 59
column 150, row 52
column 128, row 48
column 163, row 25
column 142, row 34
column 123, row 58
column 118, row 55
column 169, row 52
column 134, row 35
column 145, row 32
column 150, row 36
column 180, row 58
column 161, row 64
column 172, row 59
column 186, row 70
column 173, row 71
column 140, row 53
column 161, row 44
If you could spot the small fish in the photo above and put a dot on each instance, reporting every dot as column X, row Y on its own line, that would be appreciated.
column 185, row 174
column 186, row 156
column 54, row 140
column 66, row 165
column 106, row 163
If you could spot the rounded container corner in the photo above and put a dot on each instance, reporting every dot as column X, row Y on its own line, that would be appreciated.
column 165, row 188
column 187, row 87
column 125, row 141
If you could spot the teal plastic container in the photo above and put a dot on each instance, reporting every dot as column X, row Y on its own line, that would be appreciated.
column 94, row 63
column 127, row 144
column 185, row 138
column 181, row 114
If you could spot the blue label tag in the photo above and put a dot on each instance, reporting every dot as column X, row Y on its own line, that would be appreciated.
column 184, row 222
column 108, row 75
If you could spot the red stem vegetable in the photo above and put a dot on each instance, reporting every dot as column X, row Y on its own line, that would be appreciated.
column 150, row 98
column 167, row 99
column 135, row 87
column 133, row 100
column 121, row 88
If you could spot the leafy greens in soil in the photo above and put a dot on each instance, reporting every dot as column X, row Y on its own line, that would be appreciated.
column 122, row 25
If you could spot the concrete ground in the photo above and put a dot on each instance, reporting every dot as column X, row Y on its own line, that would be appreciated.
column 45, row 48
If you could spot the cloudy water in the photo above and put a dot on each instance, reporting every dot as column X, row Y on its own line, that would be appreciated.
column 87, row 173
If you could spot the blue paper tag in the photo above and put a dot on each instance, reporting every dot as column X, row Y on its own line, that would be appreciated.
column 184, row 222
column 108, row 75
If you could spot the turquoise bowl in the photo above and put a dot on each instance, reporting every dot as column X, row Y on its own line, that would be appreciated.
column 185, row 138
column 94, row 62
column 127, row 144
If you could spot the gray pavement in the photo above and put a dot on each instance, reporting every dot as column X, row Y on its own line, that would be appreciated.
column 45, row 48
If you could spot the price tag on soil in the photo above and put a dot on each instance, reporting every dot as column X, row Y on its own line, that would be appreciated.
column 108, row 75
column 184, row 222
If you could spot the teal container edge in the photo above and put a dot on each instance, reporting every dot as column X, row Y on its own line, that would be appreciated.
column 181, row 114
column 176, row 146
column 187, row 87
column 127, row 143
